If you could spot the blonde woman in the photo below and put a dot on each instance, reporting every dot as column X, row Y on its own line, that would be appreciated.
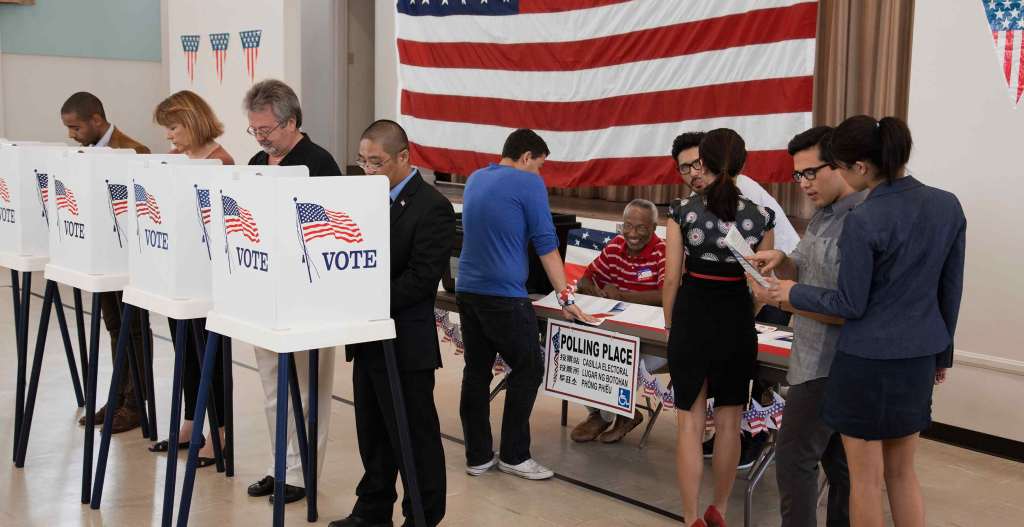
column 192, row 128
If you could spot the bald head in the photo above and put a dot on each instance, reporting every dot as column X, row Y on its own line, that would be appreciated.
column 384, row 151
column 388, row 134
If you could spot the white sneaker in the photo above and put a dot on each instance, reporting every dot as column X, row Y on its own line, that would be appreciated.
column 528, row 469
column 480, row 469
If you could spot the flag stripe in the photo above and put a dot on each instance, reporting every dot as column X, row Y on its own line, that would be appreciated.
column 555, row 6
column 755, row 27
column 764, row 61
column 579, row 24
column 768, row 165
column 1020, row 65
column 760, row 132
column 1008, row 54
column 644, row 108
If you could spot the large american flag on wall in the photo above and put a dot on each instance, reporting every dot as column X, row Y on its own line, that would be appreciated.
column 607, row 83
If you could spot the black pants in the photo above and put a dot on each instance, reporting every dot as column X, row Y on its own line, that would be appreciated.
column 492, row 325
column 191, row 371
column 110, row 308
column 804, row 440
column 377, row 432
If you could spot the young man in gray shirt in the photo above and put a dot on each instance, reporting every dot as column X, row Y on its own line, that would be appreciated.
column 804, row 440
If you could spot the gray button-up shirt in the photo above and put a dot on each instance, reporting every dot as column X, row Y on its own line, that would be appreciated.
column 817, row 260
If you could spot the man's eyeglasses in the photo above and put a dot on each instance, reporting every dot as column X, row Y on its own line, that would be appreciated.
column 640, row 229
column 810, row 174
column 686, row 168
column 375, row 165
column 263, row 132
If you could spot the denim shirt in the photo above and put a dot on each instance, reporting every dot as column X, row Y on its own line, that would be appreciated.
column 900, row 275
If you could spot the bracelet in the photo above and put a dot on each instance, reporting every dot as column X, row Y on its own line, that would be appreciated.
column 566, row 297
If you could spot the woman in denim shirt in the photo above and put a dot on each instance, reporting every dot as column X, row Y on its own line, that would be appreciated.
column 900, row 282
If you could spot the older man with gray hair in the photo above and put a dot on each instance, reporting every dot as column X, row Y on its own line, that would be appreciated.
column 631, row 268
column 275, row 118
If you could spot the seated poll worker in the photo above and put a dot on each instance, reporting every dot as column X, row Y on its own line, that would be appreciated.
column 86, row 121
column 422, row 235
column 804, row 439
column 505, row 208
column 631, row 268
column 275, row 118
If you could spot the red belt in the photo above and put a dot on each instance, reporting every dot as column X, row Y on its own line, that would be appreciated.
column 716, row 278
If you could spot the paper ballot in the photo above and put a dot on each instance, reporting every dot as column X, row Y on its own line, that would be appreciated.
column 741, row 250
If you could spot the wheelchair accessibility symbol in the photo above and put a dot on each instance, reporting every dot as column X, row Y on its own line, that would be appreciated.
column 624, row 398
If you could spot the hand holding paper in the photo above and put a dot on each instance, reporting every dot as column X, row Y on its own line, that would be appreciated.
column 741, row 251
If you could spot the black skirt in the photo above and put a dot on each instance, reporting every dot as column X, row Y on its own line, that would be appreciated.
column 874, row 399
column 712, row 338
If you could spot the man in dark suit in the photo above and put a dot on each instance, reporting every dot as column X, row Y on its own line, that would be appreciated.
column 86, row 121
column 422, row 233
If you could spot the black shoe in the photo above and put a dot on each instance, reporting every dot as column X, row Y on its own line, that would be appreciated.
column 750, row 449
column 263, row 487
column 291, row 493
column 356, row 521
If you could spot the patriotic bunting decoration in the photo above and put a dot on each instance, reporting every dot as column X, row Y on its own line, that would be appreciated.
column 190, row 45
column 1006, row 20
column 251, row 49
column 219, row 43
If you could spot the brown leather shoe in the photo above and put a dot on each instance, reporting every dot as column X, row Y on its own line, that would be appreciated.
column 589, row 429
column 97, row 417
column 126, row 418
column 623, row 426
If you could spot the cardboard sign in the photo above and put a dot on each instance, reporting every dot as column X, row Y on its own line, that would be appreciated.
column 298, row 252
column 24, row 189
column 166, row 227
column 591, row 366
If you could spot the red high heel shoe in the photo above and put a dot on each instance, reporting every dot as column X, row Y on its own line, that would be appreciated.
column 713, row 517
column 698, row 523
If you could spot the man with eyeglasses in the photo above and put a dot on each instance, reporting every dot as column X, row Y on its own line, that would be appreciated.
column 275, row 119
column 687, row 159
column 804, row 439
column 631, row 268
column 422, row 235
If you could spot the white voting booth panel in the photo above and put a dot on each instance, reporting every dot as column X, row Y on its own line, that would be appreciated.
column 24, row 219
column 300, row 253
column 170, row 251
column 88, row 232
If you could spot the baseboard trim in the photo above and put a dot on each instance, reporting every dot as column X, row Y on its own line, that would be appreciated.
column 976, row 441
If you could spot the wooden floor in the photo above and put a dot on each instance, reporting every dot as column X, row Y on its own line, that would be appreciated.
column 597, row 485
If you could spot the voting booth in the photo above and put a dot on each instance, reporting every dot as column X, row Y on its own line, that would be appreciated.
column 24, row 219
column 293, row 252
column 168, row 226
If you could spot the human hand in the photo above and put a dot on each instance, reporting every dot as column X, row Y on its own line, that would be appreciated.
column 573, row 312
column 778, row 290
column 940, row 375
column 766, row 261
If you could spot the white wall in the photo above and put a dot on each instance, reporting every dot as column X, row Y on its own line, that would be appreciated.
column 968, row 139
column 320, row 72
column 279, row 57
column 385, row 73
column 35, row 87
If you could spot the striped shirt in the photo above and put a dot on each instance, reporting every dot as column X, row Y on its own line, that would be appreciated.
column 643, row 272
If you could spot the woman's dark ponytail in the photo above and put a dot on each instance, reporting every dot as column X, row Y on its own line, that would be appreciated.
column 886, row 144
column 723, row 153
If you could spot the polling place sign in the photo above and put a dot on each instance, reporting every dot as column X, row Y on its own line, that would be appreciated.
column 591, row 366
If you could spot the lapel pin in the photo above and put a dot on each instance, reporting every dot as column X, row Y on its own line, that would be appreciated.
column 402, row 203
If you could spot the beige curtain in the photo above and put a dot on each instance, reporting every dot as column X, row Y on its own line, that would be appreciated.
column 862, row 66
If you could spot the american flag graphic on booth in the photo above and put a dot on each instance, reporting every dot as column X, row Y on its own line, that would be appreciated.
column 219, row 43
column 65, row 198
column 5, row 193
column 251, row 49
column 146, row 205
column 1006, row 20
column 203, row 195
column 239, row 219
column 190, row 45
column 607, row 83
column 44, row 186
column 118, row 198
column 319, row 222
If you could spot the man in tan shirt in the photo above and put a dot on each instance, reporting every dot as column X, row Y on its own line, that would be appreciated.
column 87, row 124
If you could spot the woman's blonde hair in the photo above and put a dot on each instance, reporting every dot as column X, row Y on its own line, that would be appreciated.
column 189, row 110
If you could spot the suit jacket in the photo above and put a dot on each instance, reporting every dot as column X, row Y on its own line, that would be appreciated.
column 422, row 234
column 119, row 140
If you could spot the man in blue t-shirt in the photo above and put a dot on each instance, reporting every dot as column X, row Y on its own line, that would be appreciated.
column 505, row 207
